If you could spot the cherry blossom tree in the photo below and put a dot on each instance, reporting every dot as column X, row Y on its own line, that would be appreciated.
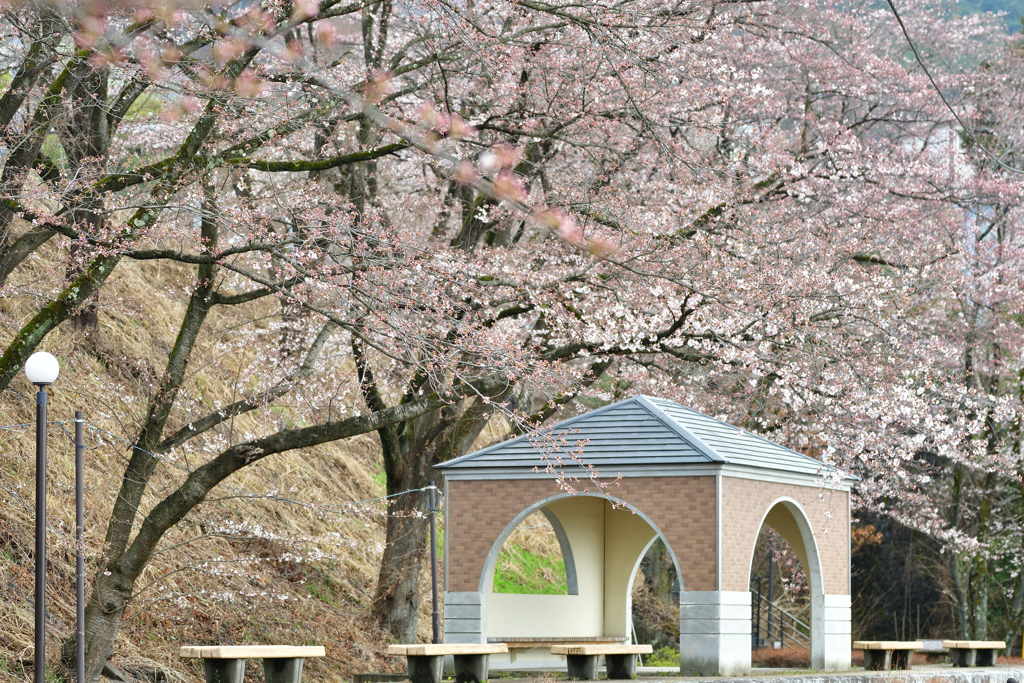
column 761, row 209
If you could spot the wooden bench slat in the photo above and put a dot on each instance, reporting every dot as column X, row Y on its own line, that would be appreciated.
column 975, row 644
column 559, row 640
column 600, row 649
column 251, row 651
column 549, row 641
column 435, row 649
column 888, row 645
column 545, row 644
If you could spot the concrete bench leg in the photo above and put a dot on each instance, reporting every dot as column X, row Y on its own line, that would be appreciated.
column 582, row 667
column 224, row 670
column 620, row 667
column 902, row 659
column 877, row 660
column 425, row 668
column 963, row 656
column 470, row 668
column 986, row 657
column 282, row 670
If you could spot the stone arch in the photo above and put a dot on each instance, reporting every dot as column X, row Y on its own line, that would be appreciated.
column 602, row 586
column 487, row 573
column 787, row 517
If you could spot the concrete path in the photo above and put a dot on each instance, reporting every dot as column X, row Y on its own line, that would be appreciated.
column 919, row 674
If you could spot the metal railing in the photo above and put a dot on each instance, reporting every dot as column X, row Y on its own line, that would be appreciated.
column 770, row 623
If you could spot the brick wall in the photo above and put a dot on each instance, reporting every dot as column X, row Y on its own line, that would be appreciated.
column 683, row 508
column 744, row 504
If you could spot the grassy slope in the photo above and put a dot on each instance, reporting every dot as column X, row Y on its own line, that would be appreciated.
column 531, row 560
column 255, row 570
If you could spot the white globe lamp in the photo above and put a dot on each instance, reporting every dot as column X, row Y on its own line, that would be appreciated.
column 42, row 368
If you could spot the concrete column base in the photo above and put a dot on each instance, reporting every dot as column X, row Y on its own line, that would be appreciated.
column 282, row 670
column 582, row 667
column 425, row 668
column 465, row 616
column 714, row 633
column 224, row 670
column 470, row 668
column 831, row 633
column 620, row 667
column 971, row 657
column 877, row 660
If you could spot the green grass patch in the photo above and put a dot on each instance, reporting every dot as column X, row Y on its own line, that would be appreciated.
column 519, row 570
column 665, row 656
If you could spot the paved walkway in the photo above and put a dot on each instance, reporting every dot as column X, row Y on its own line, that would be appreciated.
column 919, row 674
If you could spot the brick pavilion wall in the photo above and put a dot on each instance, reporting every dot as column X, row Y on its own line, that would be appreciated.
column 683, row 508
column 744, row 504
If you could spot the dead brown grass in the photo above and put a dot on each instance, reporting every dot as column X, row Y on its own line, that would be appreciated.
column 238, row 569
column 783, row 658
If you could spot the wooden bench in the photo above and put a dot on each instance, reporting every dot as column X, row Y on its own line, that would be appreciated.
column 226, row 663
column 885, row 655
column 518, row 644
column 426, row 661
column 620, row 659
column 973, row 652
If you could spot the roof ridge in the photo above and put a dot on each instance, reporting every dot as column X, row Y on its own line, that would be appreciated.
column 755, row 435
column 705, row 448
column 643, row 432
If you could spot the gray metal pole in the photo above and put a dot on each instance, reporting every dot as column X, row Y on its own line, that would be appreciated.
column 79, row 547
column 771, row 585
column 436, row 614
column 40, row 653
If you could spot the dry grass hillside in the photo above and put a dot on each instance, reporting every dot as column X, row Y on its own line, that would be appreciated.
column 246, row 566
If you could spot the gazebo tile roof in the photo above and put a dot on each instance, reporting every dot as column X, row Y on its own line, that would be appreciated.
column 640, row 431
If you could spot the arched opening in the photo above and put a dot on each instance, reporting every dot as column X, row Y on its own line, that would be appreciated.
column 536, row 559
column 780, row 605
column 655, row 605
column 786, row 591
column 601, row 544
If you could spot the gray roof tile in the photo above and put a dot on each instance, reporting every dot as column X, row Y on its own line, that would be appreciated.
column 640, row 431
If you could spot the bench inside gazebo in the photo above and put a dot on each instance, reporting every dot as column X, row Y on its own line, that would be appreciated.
column 704, row 487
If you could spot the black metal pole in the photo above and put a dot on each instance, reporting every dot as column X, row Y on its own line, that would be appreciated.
column 40, row 653
column 757, row 640
column 771, row 584
column 432, row 498
column 79, row 547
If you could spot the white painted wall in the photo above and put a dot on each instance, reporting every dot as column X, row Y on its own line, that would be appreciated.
column 626, row 537
column 535, row 616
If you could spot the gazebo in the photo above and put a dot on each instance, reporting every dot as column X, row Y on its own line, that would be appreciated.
column 704, row 487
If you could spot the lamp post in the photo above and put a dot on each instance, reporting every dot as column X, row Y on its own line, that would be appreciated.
column 435, row 614
column 42, row 370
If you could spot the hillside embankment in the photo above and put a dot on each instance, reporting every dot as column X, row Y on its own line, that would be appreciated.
column 274, row 556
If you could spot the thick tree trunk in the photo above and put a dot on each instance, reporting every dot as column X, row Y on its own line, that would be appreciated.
column 397, row 600
column 656, row 566
column 1016, row 645
column 981, row 567
column 410, row 452
column 963, row 621
column 103, row 615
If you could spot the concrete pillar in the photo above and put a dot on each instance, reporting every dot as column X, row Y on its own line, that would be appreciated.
column 465, row 614
column 830, row 632
column 714, row 633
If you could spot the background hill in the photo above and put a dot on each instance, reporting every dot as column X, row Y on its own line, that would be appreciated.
column 246, row 567
column 1014, row 10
